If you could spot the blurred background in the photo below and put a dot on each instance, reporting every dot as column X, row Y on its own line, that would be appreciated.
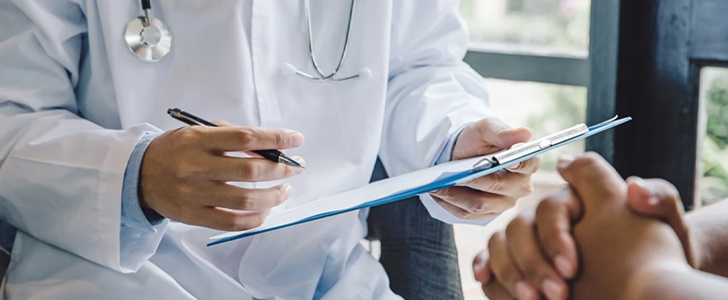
column 559, row 30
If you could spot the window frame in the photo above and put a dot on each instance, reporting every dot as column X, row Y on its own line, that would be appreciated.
column 644, row 61
column 596, row 70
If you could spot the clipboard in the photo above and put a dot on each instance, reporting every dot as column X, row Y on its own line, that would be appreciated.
column 419, row 182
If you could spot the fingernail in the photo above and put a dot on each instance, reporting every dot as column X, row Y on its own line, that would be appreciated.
column 295, row 138
column 565, row 161
column 553, row 290
column 563, row 265
column 524, row 291
column 479, row 269
column 287, row 190
column 638, row 181
column 514, row 167
column 478, row 265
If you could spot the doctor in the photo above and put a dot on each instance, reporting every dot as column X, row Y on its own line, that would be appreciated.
column 112, row 200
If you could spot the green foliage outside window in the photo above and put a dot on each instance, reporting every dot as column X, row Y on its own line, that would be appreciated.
column 714, row 184
column 566, row 108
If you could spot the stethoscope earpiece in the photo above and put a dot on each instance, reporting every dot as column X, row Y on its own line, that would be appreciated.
column 148, row 38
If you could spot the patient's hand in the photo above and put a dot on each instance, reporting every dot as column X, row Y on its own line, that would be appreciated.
column 616, row 246
column 615, row 243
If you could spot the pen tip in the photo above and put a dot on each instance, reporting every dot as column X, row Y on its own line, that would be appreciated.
column 291, row 162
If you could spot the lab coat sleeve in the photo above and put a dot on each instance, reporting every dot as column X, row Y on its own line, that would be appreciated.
column 432, row 93
column 61, row 175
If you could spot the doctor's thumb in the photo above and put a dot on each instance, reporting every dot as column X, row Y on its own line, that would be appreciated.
column 507, row 138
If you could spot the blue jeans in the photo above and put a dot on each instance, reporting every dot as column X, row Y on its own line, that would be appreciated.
column 418, row 252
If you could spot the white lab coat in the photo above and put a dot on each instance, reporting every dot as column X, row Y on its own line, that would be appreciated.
column 74, row 102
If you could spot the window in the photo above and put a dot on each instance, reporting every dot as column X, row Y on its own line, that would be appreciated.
column 637, row 58
column 533, row 105
column 556, row 24
column 713, row 186
column 534, row 56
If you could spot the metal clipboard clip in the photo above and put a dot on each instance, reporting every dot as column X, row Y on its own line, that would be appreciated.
column 523, row 149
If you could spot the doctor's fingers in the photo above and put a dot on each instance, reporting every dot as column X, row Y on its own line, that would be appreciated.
column 232, row 197
column 249, row 169
column 475, row 202
column 461, row 213
column 528, row 257
column 237, row 138
column 528, row 166
column 224, row 219
column 515, row 185
column 505, row 270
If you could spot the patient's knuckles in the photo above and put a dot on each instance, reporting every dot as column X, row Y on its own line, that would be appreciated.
column 495, row 291
column 547, row 208
column 518, row 226
column 503, row 268
column 665, row 190
column 584, row 166
column 496, row 241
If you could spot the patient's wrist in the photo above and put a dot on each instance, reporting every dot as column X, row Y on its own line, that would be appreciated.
column 648, row 281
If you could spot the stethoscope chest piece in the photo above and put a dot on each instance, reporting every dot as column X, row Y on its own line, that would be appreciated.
column 149, row 42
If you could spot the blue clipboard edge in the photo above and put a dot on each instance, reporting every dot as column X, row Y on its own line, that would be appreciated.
column 435, row 185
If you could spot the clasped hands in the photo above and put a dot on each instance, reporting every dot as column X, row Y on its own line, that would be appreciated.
column 596, row 239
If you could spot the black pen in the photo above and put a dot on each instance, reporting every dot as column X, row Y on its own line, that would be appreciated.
column 272, row 155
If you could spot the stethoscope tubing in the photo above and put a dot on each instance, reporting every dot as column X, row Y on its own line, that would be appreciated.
column 155, row 51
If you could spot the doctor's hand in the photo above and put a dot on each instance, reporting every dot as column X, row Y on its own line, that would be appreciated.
column 488, row 196
column 185, row 175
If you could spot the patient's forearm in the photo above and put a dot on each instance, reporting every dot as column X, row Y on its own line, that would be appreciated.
column 709, row 231
column 676, row 281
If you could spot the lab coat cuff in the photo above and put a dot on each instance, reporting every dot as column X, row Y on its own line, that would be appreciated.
column 446, row 152
column 436, row 211
column 132, row 214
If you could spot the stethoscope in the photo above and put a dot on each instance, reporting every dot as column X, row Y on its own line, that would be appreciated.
column 150, row 40
column 147, row 37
